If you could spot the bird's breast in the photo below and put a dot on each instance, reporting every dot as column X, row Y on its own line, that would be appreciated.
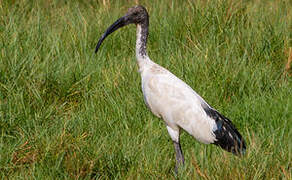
column 151, row 96
column 163, row 98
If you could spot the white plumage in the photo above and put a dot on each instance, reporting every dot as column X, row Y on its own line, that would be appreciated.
column 173, row 100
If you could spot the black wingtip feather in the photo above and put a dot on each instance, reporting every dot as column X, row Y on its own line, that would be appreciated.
column 227, row 136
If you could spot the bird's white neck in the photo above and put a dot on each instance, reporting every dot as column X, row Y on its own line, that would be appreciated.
column 141, row 41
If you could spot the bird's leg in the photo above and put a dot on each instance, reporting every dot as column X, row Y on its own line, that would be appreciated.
column 174, row 134
column 179, row 155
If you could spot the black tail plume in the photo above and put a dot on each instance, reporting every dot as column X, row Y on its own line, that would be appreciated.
column 228, row 137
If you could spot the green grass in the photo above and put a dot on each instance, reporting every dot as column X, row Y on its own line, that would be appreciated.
column 67, row 113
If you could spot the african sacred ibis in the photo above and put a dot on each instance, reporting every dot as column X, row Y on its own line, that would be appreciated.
column 174, row 101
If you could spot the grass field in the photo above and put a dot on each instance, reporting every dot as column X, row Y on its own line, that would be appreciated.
column 67, row 113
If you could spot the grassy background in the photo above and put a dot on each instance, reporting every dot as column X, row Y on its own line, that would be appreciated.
column 66, row 112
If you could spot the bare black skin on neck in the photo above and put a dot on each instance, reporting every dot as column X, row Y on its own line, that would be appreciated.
column 136, row 15
column 143, row 39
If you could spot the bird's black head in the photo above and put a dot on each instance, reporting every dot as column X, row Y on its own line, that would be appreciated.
column 135, row 15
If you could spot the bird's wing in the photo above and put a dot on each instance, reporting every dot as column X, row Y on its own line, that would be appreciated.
column 178, row 104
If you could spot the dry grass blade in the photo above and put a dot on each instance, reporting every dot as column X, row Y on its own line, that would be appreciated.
column 195, row 164
column 287, row 174
column 288, row 65
column 25, row 155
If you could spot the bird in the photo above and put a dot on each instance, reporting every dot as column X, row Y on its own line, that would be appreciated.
column 172, row 100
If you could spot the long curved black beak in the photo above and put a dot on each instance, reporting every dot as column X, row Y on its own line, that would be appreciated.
column 116, row 25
